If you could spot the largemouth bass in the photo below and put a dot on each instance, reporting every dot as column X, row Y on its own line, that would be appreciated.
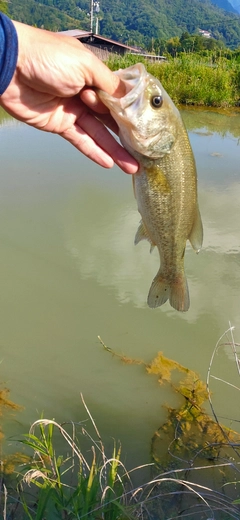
column 151, row 129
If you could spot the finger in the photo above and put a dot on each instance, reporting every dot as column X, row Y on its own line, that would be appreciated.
column 85, row 144
column 91, row 99
column 100, row 76
column 97, row 131
column 94, row 141
column 108, row 121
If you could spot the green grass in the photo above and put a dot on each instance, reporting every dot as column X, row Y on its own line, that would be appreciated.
column 76, row 486
column 193, row 80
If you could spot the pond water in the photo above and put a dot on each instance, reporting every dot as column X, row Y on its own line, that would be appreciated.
column 70, row 272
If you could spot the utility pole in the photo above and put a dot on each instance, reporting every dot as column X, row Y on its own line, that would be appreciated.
column 97, row 9
column 94, row 9
column 91, row 16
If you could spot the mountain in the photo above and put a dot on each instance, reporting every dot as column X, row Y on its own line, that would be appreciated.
column 226, row 5
column 136, row 22
column 236, row 5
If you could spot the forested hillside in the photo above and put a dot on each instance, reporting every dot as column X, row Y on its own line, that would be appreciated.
column 136, row 22
column 164, row 19
column 55, row 15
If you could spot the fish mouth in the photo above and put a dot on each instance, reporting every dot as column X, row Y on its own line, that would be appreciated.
column 135, row 79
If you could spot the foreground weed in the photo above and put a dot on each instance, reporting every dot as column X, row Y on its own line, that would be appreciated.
column 102, row 489
column 73, row 487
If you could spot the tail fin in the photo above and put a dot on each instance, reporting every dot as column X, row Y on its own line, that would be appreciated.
column 177, row 293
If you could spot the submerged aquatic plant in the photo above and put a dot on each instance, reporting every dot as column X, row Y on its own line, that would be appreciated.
column 7, row 463
column 192, row 432
column 6, row 404
column 194, row 435
column 191, row 441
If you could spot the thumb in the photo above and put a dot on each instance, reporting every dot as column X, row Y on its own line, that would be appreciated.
column 98, row 75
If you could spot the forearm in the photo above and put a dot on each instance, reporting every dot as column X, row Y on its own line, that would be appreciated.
column 8, row 52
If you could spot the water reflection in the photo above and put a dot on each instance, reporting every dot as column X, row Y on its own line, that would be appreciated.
column 114, row 263
column 209, row 122
column 70, row 272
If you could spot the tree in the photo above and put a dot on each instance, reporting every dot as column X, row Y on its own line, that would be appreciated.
column 174, row 46
column 3, row 6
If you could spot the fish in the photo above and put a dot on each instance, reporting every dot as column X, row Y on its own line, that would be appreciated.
column 165, row 186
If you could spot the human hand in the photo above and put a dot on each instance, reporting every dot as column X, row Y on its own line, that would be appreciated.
column 52, row 70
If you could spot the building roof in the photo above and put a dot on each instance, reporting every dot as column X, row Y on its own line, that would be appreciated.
column 77, row 33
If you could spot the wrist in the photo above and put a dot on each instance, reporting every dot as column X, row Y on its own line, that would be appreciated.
column 8, row 51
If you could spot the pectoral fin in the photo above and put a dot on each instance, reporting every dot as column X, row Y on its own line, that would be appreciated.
column 133, row 183
column 142, row 234
column 196, row 235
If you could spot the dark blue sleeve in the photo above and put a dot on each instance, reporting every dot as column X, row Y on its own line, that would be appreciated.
column 8, row 51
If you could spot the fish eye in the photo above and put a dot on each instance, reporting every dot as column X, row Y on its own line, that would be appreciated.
column 157, row 101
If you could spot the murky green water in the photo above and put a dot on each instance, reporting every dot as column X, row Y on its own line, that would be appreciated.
column 69, row 272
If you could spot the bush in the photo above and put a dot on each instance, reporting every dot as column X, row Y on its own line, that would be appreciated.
column 193, row 80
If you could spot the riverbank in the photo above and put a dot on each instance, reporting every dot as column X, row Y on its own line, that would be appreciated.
column 191, row 79
column 68, row 471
